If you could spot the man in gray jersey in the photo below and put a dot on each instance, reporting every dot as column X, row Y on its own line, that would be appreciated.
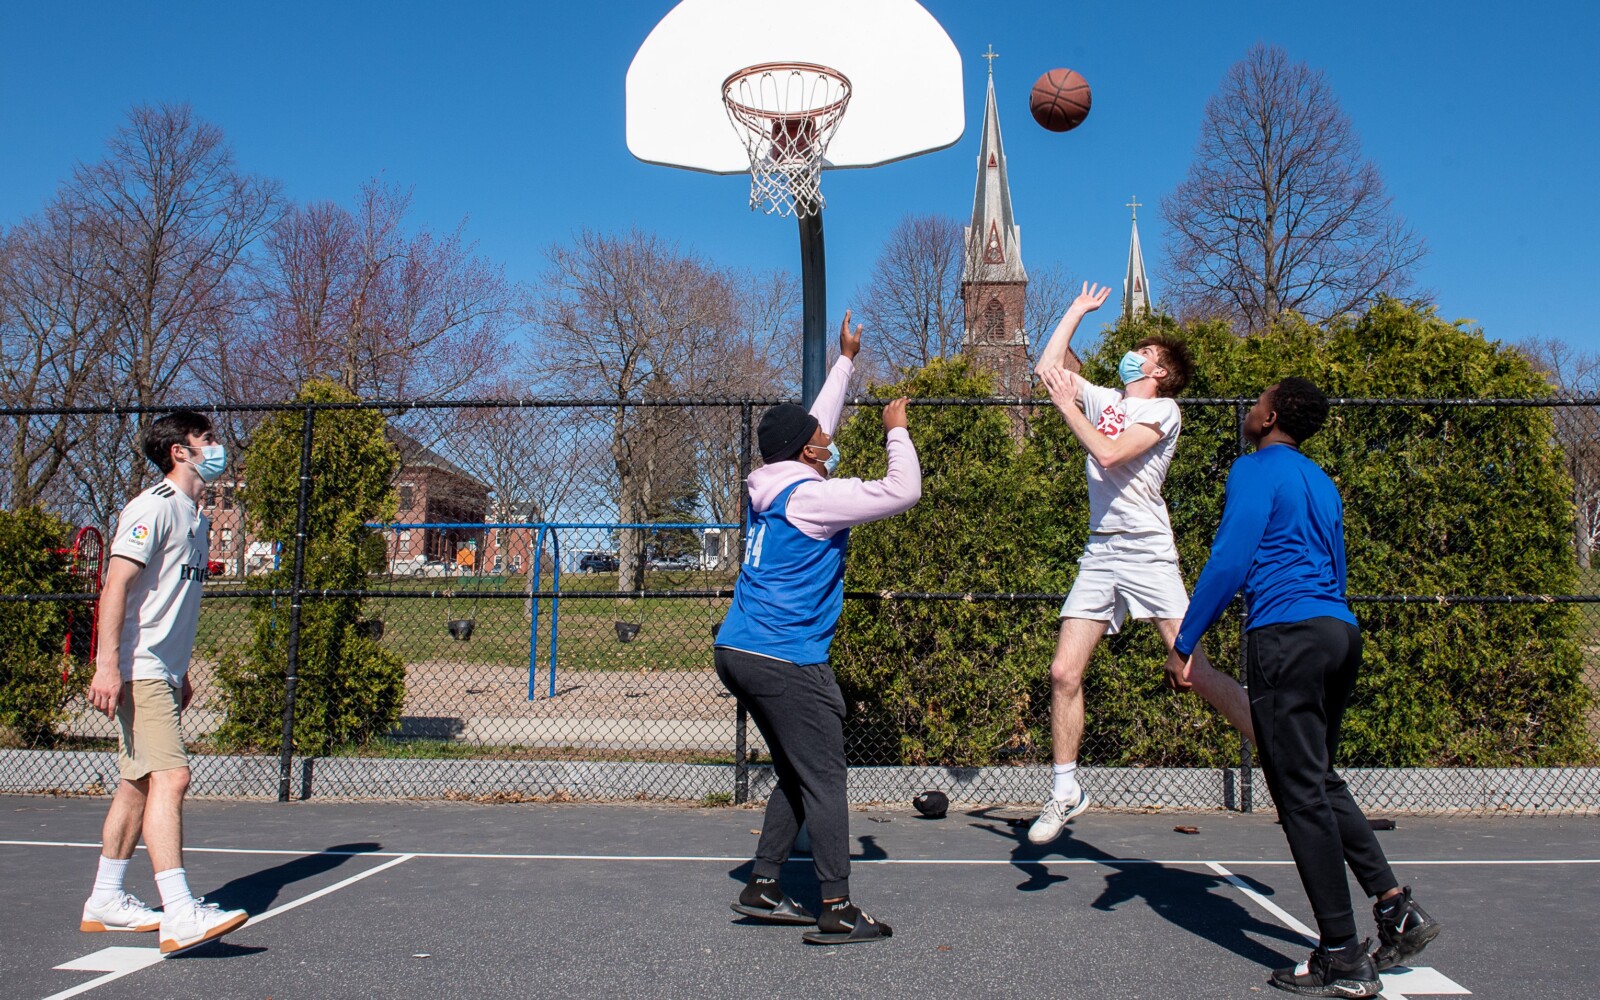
column 149, row 607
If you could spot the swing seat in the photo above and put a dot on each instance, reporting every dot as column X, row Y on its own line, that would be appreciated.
column 461, row 628
column 626, row 631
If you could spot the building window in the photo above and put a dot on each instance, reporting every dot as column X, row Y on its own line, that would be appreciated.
column 407, row 495
column 227, row 540
column 994, row 320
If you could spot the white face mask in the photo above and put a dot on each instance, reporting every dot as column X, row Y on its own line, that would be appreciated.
column 213, row 461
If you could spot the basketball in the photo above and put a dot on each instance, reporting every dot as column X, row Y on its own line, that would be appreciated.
column 1060, row 100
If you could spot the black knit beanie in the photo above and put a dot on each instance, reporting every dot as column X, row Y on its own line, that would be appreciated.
column 783, row 431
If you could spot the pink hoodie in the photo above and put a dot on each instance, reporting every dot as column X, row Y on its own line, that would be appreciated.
column 821, row 508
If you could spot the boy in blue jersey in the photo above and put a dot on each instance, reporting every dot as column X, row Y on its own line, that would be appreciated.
column 1281, row 541
column 772, row 649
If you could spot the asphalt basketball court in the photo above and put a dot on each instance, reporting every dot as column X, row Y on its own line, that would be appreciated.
column 408, row 899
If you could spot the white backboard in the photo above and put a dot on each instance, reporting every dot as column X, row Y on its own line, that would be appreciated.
column 904, row 72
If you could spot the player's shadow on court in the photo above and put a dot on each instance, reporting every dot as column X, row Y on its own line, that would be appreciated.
column 255, row 893
column 1179, row 895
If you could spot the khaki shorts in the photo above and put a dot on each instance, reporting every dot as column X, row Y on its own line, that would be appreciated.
column 149, row 740
column 1127, row 575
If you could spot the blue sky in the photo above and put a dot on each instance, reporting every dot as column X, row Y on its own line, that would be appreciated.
column 1480, row 116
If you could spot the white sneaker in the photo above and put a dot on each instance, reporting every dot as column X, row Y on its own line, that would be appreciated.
column 1054, row 815
column 198, row 924
column 125, row 913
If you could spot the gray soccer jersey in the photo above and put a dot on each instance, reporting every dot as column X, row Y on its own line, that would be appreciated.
column 162, row 530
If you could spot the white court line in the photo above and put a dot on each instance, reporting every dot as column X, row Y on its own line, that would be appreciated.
column 714, row 859
column 258, row 918
column 1395, row 984
column 1266, row 904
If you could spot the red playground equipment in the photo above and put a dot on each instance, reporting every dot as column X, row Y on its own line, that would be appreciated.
column 86, row 560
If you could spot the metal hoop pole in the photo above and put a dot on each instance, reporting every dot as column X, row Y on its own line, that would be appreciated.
column 814, row 295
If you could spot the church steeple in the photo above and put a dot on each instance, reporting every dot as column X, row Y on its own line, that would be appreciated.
column 1136, row 284
column 993, row 280
column 994, row 239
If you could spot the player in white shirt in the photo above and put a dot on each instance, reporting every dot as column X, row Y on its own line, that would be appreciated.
column 1129, row 565
column 149, row 606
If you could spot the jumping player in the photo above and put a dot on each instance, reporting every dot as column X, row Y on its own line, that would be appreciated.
column 772, row 649
column 149, row 608
column 1129, row 565
column 1282, row 540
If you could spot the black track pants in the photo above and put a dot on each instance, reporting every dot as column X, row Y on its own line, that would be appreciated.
column 800, row 713
column 1301, row 676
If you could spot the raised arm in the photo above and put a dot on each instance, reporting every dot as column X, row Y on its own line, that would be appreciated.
column 822, row 509
column 1055, row 349
column 830, row 400
column 1066, row 391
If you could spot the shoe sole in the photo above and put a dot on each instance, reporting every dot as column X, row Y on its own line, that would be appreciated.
column 96, row 927
column 1404, row 958
column 767, row 916
column 1332, row 990
column 1072, row 814
column 170, row 947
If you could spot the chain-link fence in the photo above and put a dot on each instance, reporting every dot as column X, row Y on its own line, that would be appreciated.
column 534, row 604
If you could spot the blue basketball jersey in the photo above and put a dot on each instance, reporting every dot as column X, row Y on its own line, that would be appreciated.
column 790, row 590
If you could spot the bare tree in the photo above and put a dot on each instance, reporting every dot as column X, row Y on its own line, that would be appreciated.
column 55, row 334
column 630, row 316
column 171, row 220
column 1049, row 293
column 1279, row 211
column 912, row 302
column 389, row 311
column 1575, row 374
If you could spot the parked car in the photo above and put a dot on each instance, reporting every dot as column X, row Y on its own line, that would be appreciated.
column 215, row 568
column 597, row 562
column 677, row 563
column 422, row 566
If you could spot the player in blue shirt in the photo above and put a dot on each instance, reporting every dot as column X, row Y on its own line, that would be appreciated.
column 1281, row 541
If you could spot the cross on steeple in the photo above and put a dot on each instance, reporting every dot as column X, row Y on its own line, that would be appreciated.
column 1135, row 204
column 991, row 55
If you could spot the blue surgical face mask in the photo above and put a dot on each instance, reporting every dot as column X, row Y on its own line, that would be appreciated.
column 213, row 462
column 832, row 461
column 1131, row 368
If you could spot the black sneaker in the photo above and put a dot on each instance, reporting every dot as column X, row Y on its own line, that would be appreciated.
column 1402, row 932
column 1324, row 976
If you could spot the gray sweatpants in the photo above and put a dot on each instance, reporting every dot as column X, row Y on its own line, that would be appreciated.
column 800, row 713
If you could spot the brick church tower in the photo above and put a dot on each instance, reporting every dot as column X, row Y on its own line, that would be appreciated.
column 994, row 283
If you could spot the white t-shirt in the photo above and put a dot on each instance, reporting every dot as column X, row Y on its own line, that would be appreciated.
column 162, row 530
column 1128, row 497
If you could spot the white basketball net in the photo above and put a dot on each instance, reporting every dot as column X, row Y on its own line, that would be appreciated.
column 786, row 113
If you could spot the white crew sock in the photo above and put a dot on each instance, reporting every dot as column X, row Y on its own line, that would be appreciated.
column 175, row 894
column 1064, row 783
column 108, row 880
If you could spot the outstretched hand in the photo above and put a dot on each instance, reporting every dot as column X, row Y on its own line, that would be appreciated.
column 849, row 343
column 1091, row 298
column 894, row 415
column 1063, row 386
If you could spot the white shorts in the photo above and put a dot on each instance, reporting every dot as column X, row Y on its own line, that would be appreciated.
column 1127, row 574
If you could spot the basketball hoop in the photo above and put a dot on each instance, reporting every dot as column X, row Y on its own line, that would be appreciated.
column 786, row 113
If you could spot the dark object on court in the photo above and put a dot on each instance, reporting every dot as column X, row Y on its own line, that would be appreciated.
column 932, row 804
column 1186, row 829
column 626, row 631
column 461, row 628
column 1381, row 824
column 370, row 628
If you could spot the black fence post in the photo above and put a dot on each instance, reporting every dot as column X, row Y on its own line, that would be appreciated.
column 296, row 592
column 1245, row 770
column 741, row 718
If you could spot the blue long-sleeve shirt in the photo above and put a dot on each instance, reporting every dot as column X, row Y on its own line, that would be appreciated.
column 1281, row 539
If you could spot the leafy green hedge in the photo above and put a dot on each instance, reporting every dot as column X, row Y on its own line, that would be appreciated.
column 1439, row 500
column 33, row 696
column 350, row 689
